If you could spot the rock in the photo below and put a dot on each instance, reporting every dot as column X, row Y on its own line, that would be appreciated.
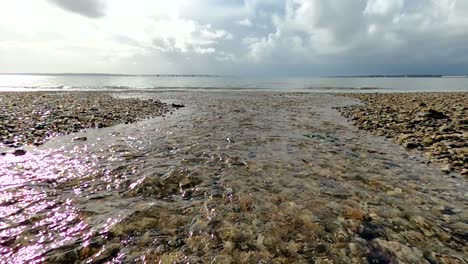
column 403, row 254
column 379, row 257
column 395, row 191
column 371, row 231
column 19, row 152
column 427, row 142
column 446, row 169
column 39, row 126
column 80, row 139
column 434, row 114
column 411, row 145
column 177, row 105
column 446, row 128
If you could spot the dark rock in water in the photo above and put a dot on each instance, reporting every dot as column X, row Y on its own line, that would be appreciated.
column 430, row 258
column 80, row 139
column 39, row 126
column 321, row 248
column 177, row 105
column 371, row 231
column 448, row 211
column 411, row 145
column 19, row 152
column 379, row 257
column 434, row 114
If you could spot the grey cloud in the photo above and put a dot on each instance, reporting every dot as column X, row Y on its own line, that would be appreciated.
column 87, row 8
column 371, row 32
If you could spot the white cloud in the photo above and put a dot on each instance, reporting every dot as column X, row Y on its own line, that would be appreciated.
column 245, row 22
column 240, row 36
column 383, row 7
column 179, row 35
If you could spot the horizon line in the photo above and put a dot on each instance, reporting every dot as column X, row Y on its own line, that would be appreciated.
column 218, row 75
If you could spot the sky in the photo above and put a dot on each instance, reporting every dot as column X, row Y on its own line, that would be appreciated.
column 235, row 37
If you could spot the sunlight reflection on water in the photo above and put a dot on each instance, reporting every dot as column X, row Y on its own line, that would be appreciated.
column 35, row 218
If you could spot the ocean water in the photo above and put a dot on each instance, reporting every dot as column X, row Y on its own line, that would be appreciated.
column 148, row 83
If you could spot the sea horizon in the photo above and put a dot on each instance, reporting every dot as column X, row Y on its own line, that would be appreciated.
column 157, row 82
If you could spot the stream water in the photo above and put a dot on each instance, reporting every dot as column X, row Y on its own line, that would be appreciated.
column 255, row 177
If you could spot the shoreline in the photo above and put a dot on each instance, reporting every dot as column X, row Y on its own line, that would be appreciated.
column 433, row 123
column 32, row 118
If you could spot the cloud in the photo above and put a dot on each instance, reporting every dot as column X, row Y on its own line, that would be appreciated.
column 184, row 36
column 245, row 22
column 87, row 8
column 366, row 32
column 332, row 37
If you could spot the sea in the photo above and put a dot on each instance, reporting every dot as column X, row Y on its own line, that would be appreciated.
column 230, row 83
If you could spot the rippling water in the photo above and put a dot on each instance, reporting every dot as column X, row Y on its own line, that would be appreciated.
column 34, row 83
column 233, row 177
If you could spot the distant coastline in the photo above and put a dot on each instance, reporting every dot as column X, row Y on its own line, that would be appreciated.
column 217, row 76
column 114, row 75
column 403, row 76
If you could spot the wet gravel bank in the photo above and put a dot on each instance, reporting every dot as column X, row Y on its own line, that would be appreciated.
column 435, row 123
column 33, row 118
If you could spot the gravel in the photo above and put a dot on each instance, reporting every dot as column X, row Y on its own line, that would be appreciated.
column 434, row 123
column 35, row 117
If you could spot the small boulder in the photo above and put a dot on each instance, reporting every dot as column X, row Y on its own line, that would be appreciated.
column 411, row 145
column 177, row 105
column 434, row 114
column 19, row 152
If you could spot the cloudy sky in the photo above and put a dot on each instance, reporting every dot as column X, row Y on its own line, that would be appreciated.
column 235, row 37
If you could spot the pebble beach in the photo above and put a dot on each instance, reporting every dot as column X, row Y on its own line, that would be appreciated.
column 34, row 117
column 434, row 123
column 232, row 177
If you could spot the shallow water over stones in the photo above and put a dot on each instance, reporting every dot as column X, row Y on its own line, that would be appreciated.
column 231, row 178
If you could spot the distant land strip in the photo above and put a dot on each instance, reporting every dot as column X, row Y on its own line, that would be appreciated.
column 114, row 75
column 404, row 76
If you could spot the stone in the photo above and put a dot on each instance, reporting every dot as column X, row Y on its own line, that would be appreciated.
column 411, row 145
column 379, row 257
column 19, row 152
column 371, row 231
column 404, row 254
column 434, row 114
column 446, row 128
column 446, row 169
column 427, row 142
column 177, row 105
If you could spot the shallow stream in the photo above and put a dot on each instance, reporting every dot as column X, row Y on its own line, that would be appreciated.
column 231, row 178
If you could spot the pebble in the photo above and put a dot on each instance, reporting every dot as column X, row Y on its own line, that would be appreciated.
column 80, row 139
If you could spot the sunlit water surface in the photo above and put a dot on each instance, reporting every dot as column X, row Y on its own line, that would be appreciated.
column 35, row 83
